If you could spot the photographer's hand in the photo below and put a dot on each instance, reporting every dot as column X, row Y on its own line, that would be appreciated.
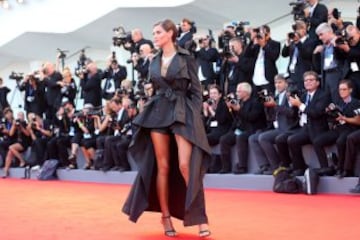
column 345, row 47
column 233, row 59
column 270, row 103
column 295, row 101
column 318, row 49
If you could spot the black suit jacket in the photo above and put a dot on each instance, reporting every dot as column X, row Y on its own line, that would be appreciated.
column 91, row 87
column 316, row 116
column 185, row 41
column 223, row 118
column 205, row 59
column 320, row 15
column 142, row 67
column 272, row 52
column 304, row 59
column 53, row 89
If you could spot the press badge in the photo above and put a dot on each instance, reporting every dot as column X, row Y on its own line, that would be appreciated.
column 354, row 67
column 237, row 132
column 328, row 61
column 214, row 124
column 276, row 124
column 303, row 119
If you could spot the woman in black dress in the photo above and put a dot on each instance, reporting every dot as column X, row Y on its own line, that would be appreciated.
column 170, row 145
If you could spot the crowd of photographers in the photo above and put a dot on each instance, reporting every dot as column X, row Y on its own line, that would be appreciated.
column 247, row 104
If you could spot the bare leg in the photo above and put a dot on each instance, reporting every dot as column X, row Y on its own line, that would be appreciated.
column 16, row 148
column 184, row 153
column 161, row 148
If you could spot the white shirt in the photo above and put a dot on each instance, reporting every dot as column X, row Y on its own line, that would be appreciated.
column 259, row 71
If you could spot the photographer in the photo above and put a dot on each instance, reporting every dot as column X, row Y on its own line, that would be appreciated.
column 141, row 63
column 263, row 53
column 68, row 87
column 34, row 94
column 238, row 66
column 313, row 122
column 206, row 56
column 185, row 39
column 137, row 40
column 285, row 121
column 90, row 83
column 52, row 92
column 40, row 133
column 299, row 48
column 21, row 134
column 3, row 96
column 63, row 131
column 315, row 14
column 6, row 139
column 217, row 119
column 352, row 49
column 119, row 119
column 114, row 74
column 330, row 60
column 338, row 113
column 248, row 117
column 336, row 22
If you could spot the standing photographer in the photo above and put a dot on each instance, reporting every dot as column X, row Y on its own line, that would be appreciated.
column 185, row 39
column 206, row 56
column 315, row 14
column 299, row 48
column 141, row 63
column 3, row 96
column 137, row 39
column 90, row 83
column 68, row 87
column 34, row 95
column 114, row 74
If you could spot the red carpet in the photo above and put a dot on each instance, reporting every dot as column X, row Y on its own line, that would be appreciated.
column 31, row 209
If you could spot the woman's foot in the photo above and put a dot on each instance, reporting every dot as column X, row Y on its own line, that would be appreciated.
column 6, row 174
column 22, row 165
column 204, row 230
column 168, row 227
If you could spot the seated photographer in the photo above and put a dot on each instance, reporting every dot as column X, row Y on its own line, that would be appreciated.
column 6, row 139
column 206, row 56
column 262, row 143
column 34, row 100
column 20, row 132
column 299, row 48
column 68, row 87
column 217, row 118
column 340, row 129
column 63, row 131
column 248, row 115
column 238, row 67
column 313, row 122
column 119, row 119
column 40, row 133
column 90, row 83
column 114, row 75
column 351, row 46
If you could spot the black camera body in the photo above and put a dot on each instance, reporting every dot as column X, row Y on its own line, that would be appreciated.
column 232, row 100
column 264, row 95
column 16, row 76
column 333, row 110
column 211, row 101
column 121, row 37
column 297, row 11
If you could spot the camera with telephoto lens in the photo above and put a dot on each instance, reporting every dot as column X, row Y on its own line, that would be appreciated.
column 121, row 37
column 298, row 8
column 264, row 95
column 16, row 76
column 81, row 64
column 227, row 36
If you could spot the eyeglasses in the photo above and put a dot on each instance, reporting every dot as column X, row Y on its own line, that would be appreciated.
column 343, row 89
column 309, row 79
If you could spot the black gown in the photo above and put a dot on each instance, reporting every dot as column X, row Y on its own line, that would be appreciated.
column 176, row 106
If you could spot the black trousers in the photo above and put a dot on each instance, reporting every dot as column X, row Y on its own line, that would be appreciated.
column 38, row 146
column 57, row 148
column 352, row 143
column 109, row 161
column 281, row 142
column 119, row 150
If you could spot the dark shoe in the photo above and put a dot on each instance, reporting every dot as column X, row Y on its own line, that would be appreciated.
column 262, row 169
column 169, row 229
column 298, row 172
column 72, row 159
column 72, row 166
column 268, row 172
column 325, row 171
column 356, row 189
column 311, row 181
column 239, row 170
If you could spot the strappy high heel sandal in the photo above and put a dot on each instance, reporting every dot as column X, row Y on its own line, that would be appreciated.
column 170, row 232
column 203, row 233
